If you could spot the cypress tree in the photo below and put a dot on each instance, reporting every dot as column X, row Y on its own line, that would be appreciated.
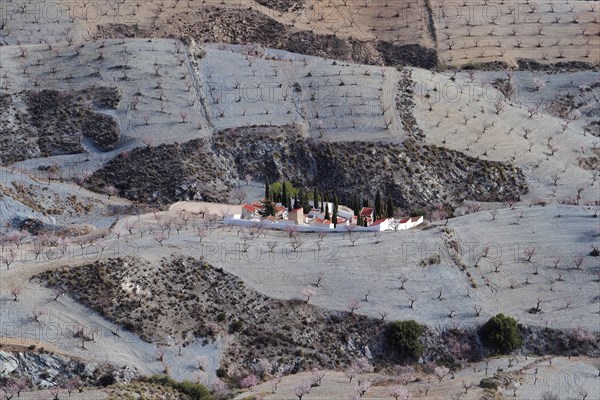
column 299, row 199
column 267, row 190
column 390, row 207
column 326, row 212
column 356, row 205
column 378, row 206
column 284, row 194
column 335, row 207
column 305, row 204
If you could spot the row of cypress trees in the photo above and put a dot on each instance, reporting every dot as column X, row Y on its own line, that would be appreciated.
column 300, row 199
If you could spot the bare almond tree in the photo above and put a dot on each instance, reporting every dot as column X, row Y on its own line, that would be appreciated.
column 353, row 306
column 9, row 258
column 529, row 252
column 319, row 278
column 16, row 291
column 58, row 291
column 160, row 238
column 302, row 390
column 384, row 313
column 308, row 292
column 296, row 243
column 403, row 280
column 352, row 236
column 36, row 313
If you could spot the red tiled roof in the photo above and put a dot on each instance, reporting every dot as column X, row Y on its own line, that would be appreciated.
column 415, row 219
column 280, row 208
column 249, row 207
column 297, row 209
column 366, row 211
column 377, row 222
column 404, row 220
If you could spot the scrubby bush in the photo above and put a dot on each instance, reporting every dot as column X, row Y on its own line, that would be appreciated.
column 404, row 336
column 222, row 373
column 487, row 383
column 194, row 391
column 417, row 213
column 473, row 65
column 236, row 326
column 501, row 333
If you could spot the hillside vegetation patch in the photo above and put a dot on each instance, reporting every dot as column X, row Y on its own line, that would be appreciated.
column 414, row 175
column 48, row 123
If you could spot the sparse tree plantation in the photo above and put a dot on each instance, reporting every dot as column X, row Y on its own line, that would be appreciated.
column 299, row 199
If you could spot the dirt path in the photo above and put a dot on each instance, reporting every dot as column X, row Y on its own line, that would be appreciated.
column 390, row 87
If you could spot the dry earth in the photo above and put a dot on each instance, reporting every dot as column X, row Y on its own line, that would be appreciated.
column 499, row 30
column 577, row 376
column 348, row 271
column 531, row 259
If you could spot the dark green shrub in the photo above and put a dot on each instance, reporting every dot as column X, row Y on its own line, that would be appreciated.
column 501, row 333
column 236, row 326
column 488, row 383
column 221, row 317
column 221, row 373
column 472, row 65
column 195, row 391
column 404, row 336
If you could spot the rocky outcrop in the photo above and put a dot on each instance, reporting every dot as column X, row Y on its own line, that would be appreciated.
column 43, row 369
column 415, row 175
